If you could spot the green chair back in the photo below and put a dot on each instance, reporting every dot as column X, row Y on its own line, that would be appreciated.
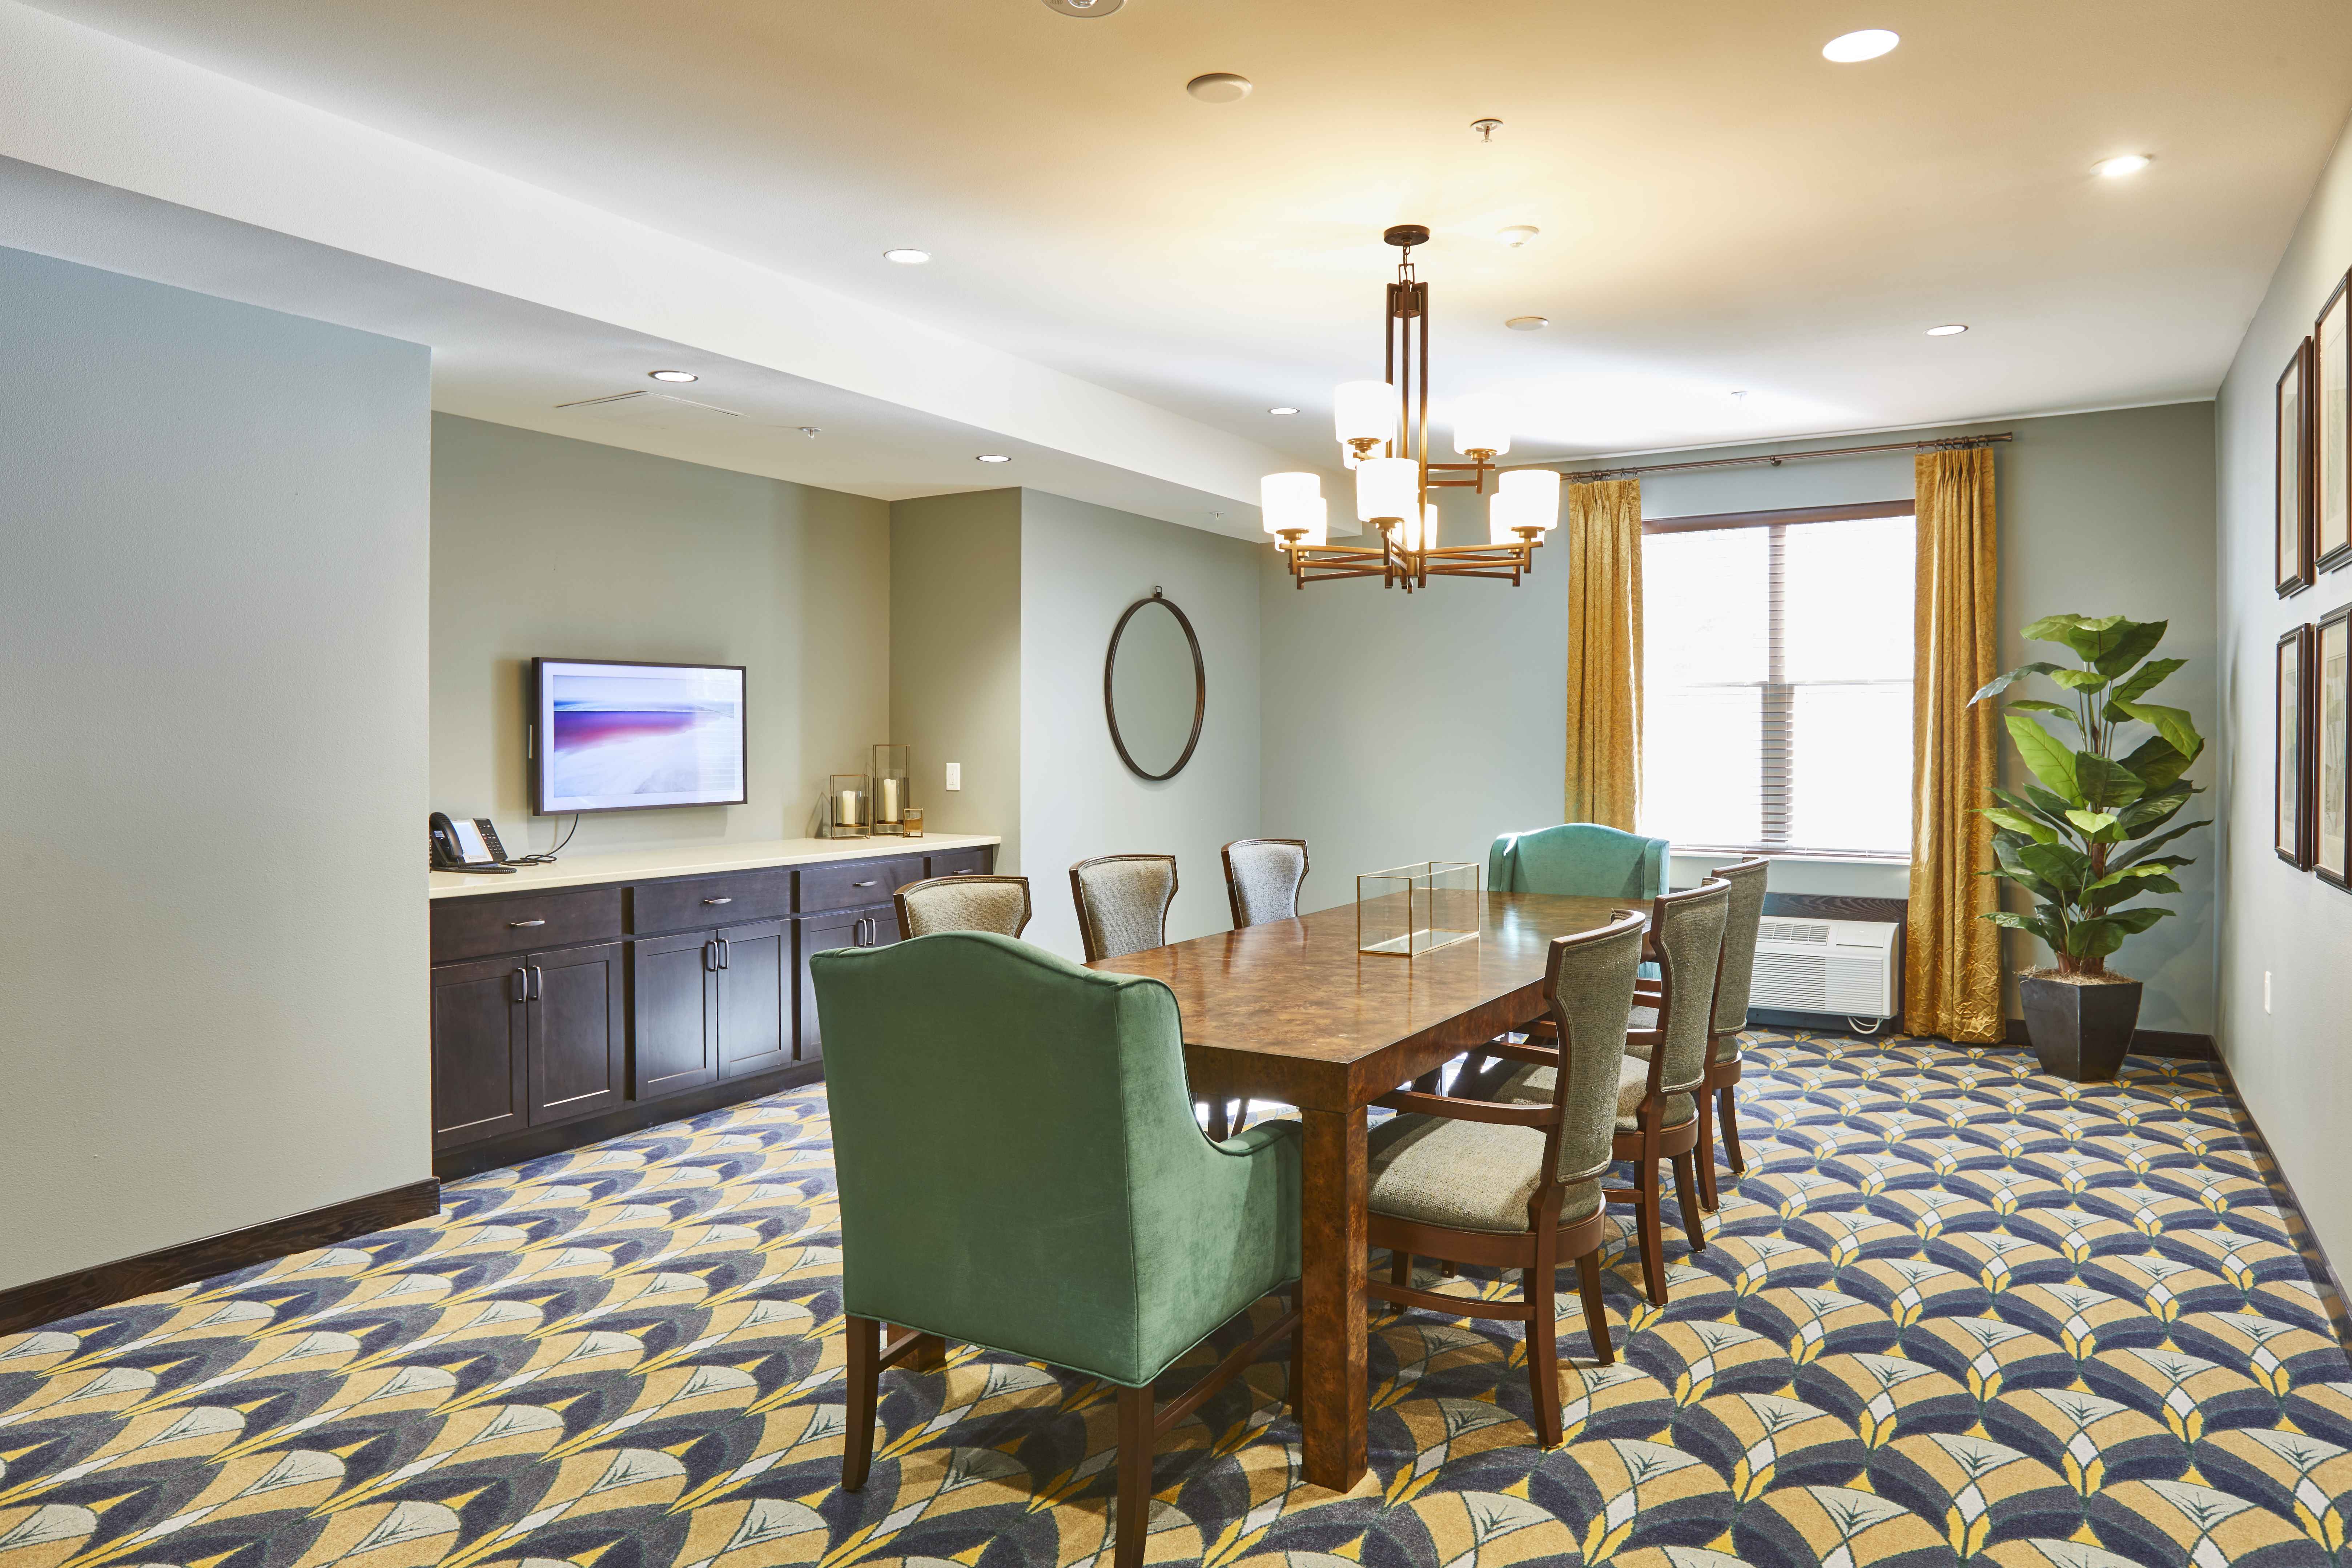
column 1018, row 1163
column 1580, row 859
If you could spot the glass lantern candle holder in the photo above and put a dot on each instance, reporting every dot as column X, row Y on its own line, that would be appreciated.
column 890, row 780
column 846, row 807
column 1408, row 910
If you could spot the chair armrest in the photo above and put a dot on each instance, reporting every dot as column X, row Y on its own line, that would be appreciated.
column 1649, row 991
column 1254, row 1141
column 1541, row 1029
column 1645, row 1036
column 1467, row 1109
column 1512, row 1051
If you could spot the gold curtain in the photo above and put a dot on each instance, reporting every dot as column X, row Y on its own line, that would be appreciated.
column 1951, row 966
column 1604, row 652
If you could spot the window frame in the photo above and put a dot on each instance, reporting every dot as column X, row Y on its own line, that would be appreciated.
column 1778, row 695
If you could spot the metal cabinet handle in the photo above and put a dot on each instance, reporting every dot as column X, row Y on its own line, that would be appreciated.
column 710, row 957
column 723, row 952
column 718, row 901
column 538, row 984
column 522, row 983
column 864, row 884
column 523, row 925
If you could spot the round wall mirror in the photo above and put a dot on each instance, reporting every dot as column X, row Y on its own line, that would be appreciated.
column 1155, row 687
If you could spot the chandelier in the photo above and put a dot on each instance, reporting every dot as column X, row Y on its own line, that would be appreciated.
column 1392, row 487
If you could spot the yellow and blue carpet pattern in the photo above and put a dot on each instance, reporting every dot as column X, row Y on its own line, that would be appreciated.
column 1958, row 1312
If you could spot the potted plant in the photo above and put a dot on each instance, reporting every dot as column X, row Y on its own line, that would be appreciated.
column 2088, row 838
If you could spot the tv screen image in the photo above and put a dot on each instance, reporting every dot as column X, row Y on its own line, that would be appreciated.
column 617, row 736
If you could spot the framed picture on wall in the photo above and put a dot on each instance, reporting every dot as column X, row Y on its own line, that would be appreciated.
column 2292, row 432
column 2331, row 746
column 2330, row 389
column 2291, row 749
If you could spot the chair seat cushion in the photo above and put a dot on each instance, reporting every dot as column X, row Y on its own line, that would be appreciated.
column 1533, row 1086
column 1643, row 1018
column 1468, row 1175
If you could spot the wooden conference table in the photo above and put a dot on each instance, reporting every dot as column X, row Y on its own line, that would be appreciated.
column 1290, row 1011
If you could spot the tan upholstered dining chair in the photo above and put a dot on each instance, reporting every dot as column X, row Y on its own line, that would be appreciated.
column 1262, row 878
column 999, row 904
column 1123, row 902
column 1733, row 983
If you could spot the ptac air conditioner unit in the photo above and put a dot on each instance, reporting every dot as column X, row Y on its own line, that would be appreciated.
column 1841, row 967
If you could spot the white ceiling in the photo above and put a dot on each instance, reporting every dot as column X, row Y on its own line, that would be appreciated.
column 1722, row 210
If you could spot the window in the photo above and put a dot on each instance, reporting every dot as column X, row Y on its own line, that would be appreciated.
column 1777, row 681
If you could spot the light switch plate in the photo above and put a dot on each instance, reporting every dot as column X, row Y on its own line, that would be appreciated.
column 955, row 775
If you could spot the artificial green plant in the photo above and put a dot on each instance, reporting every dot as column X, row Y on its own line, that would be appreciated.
column 2085, row 840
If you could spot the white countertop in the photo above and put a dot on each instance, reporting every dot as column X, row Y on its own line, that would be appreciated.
column 695, row 859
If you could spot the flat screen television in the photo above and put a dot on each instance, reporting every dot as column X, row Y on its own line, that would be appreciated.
column 613, row 735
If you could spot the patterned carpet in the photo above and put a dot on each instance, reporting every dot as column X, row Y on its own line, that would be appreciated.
column 1957, row 1312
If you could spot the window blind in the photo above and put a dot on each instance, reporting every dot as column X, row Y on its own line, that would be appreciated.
column 1777, row 681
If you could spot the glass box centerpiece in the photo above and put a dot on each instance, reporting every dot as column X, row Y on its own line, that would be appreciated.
column 1408, row 910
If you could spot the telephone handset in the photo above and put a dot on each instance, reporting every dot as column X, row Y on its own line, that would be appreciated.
column 468, row 844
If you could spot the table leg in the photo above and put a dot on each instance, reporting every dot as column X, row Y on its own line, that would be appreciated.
column 1333, row 1237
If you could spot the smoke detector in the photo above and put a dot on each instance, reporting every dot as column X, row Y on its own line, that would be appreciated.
column 1219, row 87
column 1083, row 7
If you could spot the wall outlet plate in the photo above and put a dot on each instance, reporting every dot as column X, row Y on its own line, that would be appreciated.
column 955, row 775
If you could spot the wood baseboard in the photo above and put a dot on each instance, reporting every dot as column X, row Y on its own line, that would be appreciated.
column 472, row 1159
column 102, row 1285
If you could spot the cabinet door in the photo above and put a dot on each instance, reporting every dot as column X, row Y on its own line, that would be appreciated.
column 674, row 1013
column 812, row 937
column 755, row 998
column 576, row 1032
column 882, row 925
column 478, row 1051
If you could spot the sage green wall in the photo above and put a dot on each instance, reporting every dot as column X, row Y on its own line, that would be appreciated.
column 1401, row 729
column 212, row 539
column 1081, row 567
column 2286, row 1050
column 955, row 659
column 547, row 546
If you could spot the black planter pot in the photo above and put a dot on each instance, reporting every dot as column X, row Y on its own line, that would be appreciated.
column 2080, row 1032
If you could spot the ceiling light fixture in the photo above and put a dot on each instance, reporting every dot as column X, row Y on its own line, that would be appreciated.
column 1393, row 489
column 1866, row 45
column 992, row 458
column 906, row 257
column 1529, row 324
column 1517, row 235
column 1220, row 87
column 1949, row 329
column 672, row 375
column 1282, row 411
column 2117, row 168
column 1084, row 9
column 1487, row 128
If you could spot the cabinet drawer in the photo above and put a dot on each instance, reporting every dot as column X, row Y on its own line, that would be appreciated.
column 710, row 901
column 476, row 928
column 852, row 882
column 962, row 862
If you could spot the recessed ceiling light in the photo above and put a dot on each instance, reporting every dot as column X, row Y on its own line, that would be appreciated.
column 1517, row 235
column 1949, row 329
column 1529, row 324
column 1219, row 87
column 906, row 257
column 1867, row 44
column 2129, row 164
column 994, row 458
column 1084, row 9
column 672, row 375
column 1282, row 411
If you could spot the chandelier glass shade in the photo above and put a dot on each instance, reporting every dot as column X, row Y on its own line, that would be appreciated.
column 1384, row 431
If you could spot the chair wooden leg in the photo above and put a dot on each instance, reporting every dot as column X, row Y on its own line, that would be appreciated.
column 1686, row 1199
column 1240, row 1116
column 927, row 1353
column 864, row 1377
column 1218, row 1130
column 1730, row 1120
column 1134, row 1511
column 1596, row 1311
column 1399, row 1268
column 1648, row 1233
column 1536, row 1286
column 1707, row 1196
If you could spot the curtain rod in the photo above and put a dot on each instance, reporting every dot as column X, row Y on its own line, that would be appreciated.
column 1946, row 444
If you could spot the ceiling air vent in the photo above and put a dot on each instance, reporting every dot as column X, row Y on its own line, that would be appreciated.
column 655, row 411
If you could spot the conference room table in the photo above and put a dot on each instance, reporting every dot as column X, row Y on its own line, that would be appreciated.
column 1290, row 1011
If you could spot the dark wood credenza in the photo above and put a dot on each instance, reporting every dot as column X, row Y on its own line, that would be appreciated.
column 570, row 1012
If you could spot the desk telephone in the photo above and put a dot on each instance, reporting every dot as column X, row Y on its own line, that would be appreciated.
column 468, row 845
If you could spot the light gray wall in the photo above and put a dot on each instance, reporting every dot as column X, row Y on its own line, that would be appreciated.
column 1081, row 567
column 955, row 660
column 544, row 546
column 2290, row 1059
column 1406, row 729
column 213, row 578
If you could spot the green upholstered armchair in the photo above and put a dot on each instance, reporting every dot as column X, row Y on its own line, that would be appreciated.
column 1020, row 1169
column 1578, row 857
